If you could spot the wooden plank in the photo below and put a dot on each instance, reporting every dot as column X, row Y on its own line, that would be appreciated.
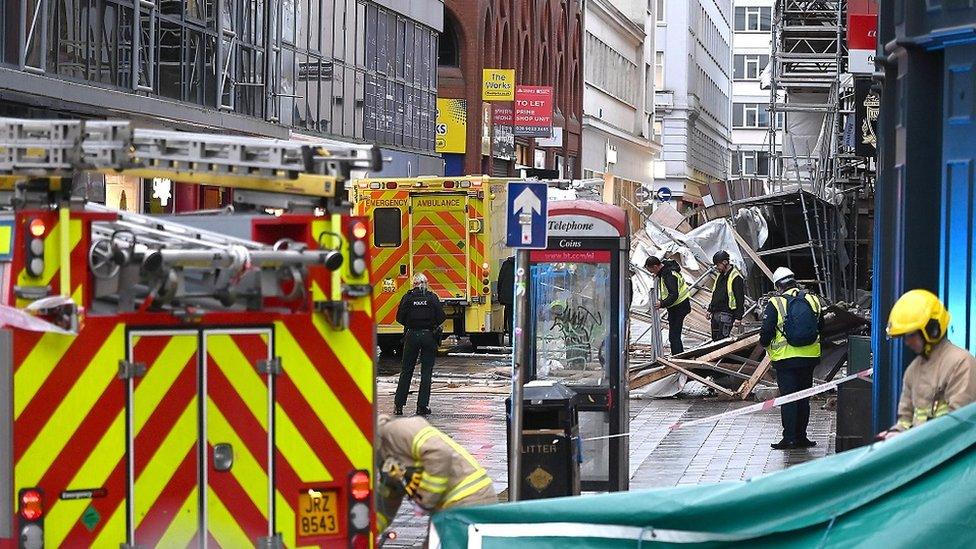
column 733, row 347
column 693, row 375
column 718, row 368
column 753, row 255
column 650, row 376
column 746, row 389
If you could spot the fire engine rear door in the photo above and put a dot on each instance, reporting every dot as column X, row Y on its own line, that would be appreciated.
column 163, row 423
column 237, row 418
column 439, row 242
column 199, row 422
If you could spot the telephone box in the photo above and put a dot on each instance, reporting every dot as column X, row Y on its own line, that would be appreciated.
column 578, row 293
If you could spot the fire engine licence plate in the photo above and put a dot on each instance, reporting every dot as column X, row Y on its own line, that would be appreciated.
column 318, row 513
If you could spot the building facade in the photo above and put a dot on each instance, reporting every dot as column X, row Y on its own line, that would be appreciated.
column 694, row 46
column 361, row 70
column 542, row 41
column 618, row 96
column 751, row 47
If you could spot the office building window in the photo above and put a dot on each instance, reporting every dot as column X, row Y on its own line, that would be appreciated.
column 660, row 11
column 750, row 115
column 753, row 19
column 750, row 163
column 748, row 67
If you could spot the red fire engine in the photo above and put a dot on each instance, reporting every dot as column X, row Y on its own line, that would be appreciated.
column 167, row 385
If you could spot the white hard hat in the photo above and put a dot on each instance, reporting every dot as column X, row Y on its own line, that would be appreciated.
column 781, row 274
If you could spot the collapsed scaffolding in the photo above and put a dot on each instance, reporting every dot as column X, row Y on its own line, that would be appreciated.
column 818, row 190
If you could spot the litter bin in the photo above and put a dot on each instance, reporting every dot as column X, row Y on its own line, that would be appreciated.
column 854, row 399
column 550, row 441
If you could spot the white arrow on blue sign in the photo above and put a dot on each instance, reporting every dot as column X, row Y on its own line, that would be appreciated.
column 526, row 213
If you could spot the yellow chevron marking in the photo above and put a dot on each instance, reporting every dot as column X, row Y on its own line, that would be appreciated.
column 222, row 525
column 160, row 377
column 247, row 469
column 94, row 472
column 37, row 366
column 323, row 400
column 297, row 451
column 241, row 374
column 351, row 354
column 162, row 466
column 184, row 526
column 82, row 397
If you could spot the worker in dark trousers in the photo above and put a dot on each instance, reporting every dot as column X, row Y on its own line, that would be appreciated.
column 792, row 324
column 421, row 315
column 728, row 297
column 674, row 296
column 506, row 291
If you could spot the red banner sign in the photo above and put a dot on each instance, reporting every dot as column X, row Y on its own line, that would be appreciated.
column 533, row 111
column 502, row 114
column 569, row 256
column 862, row 31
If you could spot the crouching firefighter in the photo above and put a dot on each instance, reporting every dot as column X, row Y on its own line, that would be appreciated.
column 942, row 378
column 424, row 464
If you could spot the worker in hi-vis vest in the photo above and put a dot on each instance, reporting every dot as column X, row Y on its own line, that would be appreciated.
column 792, row 324
column 673, row 295
column 728, row 297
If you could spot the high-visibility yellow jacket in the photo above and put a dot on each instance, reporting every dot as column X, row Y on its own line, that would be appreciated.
column 936, row 385
column 673, row 288
column 780, row 349
column 450, row 475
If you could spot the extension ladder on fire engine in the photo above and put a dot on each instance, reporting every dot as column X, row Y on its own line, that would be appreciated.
column 46, row 148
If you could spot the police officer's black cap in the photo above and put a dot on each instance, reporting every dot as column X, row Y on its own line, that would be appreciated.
column 719, row 257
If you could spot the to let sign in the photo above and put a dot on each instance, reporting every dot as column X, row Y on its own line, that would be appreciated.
column 533, row 111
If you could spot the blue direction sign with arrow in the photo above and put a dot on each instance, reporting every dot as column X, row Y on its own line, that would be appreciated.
column 527, row 211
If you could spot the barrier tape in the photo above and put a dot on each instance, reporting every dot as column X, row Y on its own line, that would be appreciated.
column 778, row 401
column 765, row 405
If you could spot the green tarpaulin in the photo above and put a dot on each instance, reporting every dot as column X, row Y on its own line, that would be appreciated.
column 916, row 490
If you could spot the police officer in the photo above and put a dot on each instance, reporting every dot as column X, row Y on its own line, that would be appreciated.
column 421, row 314
column 728, row 297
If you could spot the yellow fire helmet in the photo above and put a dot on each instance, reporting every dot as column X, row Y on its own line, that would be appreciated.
column 921, row 311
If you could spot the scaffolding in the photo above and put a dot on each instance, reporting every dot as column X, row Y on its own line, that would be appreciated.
column 814, row 173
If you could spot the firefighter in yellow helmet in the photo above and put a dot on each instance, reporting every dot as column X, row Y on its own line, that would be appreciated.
column 421, row 462
column 942, row 378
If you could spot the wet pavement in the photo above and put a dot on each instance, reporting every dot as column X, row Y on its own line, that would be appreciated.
column 469, row 405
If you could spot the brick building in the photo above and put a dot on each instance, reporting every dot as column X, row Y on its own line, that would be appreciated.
column 542, row 41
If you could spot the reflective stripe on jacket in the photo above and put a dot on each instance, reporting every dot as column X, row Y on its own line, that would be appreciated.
column 779, row 348
column 935, row 385
column 450, row 475
column 683, row 292
column 733, row 275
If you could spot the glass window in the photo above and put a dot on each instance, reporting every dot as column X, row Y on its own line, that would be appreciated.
column 748, row 67
column 753, row 18
column 750, row 115
column 387, row 229
column 660, row 11
column 659, row 70
column 571, row 332
column 448, row 49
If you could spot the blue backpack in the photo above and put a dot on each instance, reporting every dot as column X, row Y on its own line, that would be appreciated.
column 801, row 326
